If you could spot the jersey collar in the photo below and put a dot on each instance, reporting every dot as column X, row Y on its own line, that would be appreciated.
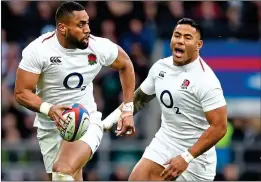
column 189, row 66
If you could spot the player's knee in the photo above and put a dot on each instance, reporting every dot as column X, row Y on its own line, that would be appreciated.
column 63, row 167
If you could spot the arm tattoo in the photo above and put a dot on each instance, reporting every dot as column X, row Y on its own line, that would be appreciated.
column 141, row 99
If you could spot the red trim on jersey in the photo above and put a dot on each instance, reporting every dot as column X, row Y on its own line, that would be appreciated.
column 201, row 64
column 48, row 37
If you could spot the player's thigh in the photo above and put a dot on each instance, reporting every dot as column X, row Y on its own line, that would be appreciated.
column 49, row 142
column 146, row 169
column 73, row 154
column 76, row 154
column 152, row 163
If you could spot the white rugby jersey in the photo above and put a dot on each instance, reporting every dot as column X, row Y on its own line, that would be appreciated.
column 66, row 75
column 184, row 94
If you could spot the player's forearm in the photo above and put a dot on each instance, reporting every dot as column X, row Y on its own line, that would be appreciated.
column 29, row 100
column 208, row 139
column 127, row 78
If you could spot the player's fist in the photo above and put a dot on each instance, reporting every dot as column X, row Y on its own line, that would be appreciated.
column 55, row 113
column 177, row 165
column 125, row 124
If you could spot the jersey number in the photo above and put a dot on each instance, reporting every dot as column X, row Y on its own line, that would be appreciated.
column 171, row 104
column 65, row 81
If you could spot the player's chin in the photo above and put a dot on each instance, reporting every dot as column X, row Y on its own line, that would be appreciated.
column 180, row 61
column 178, row 58
column 85, row 42
column 83, row 45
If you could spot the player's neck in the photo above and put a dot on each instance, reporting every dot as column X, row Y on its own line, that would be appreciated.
column 63, row 42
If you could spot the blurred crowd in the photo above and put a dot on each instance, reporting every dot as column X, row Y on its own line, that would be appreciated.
column 136, row 27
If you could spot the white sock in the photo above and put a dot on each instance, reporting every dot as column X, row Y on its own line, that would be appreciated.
column 57, row 176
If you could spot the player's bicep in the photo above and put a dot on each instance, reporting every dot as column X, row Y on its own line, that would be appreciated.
column 217, row 117
column 121, row 61
column 25, row 80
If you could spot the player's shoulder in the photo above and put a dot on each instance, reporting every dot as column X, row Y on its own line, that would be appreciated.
column 101, row 45
column 161, row 65
column 205, row 70
column 205, row 75
column 163, row 62
column 37, row 44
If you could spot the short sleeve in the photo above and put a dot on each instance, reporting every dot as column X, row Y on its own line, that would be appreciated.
column 211, row 96
column 30, row 61
column 109, row 52
column 148, row 85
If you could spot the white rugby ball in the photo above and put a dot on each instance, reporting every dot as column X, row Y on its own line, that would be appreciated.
column 78, row 123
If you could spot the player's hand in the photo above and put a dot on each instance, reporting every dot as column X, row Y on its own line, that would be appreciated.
column 177, row 165
column 125, row 125
column 55, row 113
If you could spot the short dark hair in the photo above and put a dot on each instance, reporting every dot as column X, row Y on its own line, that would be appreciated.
column 193, row 23
column 66, row 9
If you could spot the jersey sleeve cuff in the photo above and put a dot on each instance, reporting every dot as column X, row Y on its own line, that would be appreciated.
column 146, row 91
column 214, row 106
column 29, row 70
column 114, row 55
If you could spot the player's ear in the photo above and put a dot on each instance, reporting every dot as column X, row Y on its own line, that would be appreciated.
column 62, row 28
column 199, row 44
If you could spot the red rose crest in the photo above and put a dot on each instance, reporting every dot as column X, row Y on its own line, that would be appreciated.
column 92, row 59
column 185, row 84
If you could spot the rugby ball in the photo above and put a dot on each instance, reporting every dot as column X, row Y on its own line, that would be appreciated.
column 77, row 123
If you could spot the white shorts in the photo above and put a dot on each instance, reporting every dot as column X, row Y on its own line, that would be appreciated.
column 50, row 140
column 160, row 153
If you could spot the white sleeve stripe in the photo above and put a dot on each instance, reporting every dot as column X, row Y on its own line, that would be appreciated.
column 113, row 58
column 212, row 91
column 215, row 105
column 214, row 96
column 29, row 70
column 145, row 92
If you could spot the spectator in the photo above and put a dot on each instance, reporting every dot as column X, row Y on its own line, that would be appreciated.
column 138, row 34
column 209, row 15
column 95, row 21
column 168, row 15
column 108, row 30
